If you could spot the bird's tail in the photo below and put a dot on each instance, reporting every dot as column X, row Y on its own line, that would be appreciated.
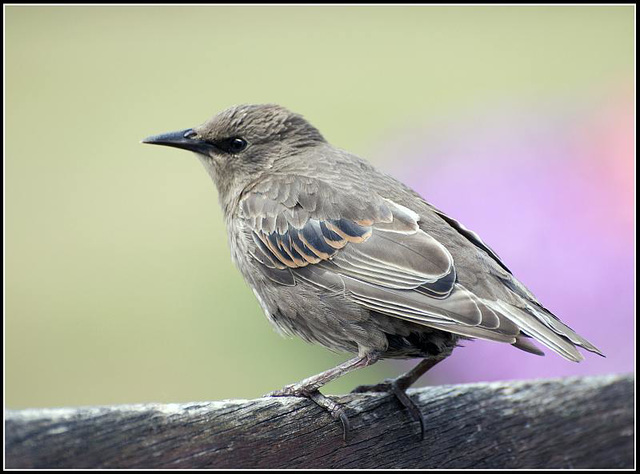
column 539, row 323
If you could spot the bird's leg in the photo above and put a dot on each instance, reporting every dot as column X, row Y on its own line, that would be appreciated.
column 404, row 381
column 310, row 388
column 398, row 387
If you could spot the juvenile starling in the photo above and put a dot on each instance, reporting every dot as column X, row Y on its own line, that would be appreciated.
column 346, row 256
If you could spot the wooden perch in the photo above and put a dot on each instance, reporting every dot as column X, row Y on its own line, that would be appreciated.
column 568, row 423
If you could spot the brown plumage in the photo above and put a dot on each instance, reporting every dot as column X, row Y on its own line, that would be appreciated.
column 343, row 255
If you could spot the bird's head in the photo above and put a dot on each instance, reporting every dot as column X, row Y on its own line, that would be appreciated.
column 242, row 142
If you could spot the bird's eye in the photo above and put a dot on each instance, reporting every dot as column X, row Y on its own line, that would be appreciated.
column 232, row 145
column 238, row 144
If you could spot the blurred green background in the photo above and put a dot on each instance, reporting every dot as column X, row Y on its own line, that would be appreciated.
column 119, row 286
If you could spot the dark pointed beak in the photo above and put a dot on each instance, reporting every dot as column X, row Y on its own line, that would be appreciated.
column 184, row 139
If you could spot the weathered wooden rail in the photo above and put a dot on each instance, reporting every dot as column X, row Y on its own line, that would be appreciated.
column 566, row 423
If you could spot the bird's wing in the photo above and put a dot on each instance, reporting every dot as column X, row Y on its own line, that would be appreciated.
column 375, row 251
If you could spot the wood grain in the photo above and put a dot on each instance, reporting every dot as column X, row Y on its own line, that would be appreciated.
column 579, row 422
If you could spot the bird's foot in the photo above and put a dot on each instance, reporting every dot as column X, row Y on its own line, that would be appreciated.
column 336, row 410
column 397, row 388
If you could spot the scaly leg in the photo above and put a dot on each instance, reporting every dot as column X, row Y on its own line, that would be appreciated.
column 398, row 387
column 310, row 388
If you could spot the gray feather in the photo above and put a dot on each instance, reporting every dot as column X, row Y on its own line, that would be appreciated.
column 331, row 241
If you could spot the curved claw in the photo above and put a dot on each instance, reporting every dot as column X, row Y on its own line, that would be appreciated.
column 336, row 410
column 346, row 426
column 409, row 404
column 333, row 408
column 398, row 390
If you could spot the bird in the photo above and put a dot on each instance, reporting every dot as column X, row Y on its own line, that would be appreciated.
column 348, row 257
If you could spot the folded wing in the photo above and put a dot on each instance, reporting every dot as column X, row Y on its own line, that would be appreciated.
column 375, row 251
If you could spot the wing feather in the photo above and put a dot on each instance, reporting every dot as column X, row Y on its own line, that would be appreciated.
column 377, row 253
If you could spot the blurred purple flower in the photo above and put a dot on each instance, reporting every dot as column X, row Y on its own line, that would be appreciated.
column 552, row 194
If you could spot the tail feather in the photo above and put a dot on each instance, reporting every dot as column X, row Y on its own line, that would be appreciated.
column 533, row 326
column 562, row 329
column 543, row 325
